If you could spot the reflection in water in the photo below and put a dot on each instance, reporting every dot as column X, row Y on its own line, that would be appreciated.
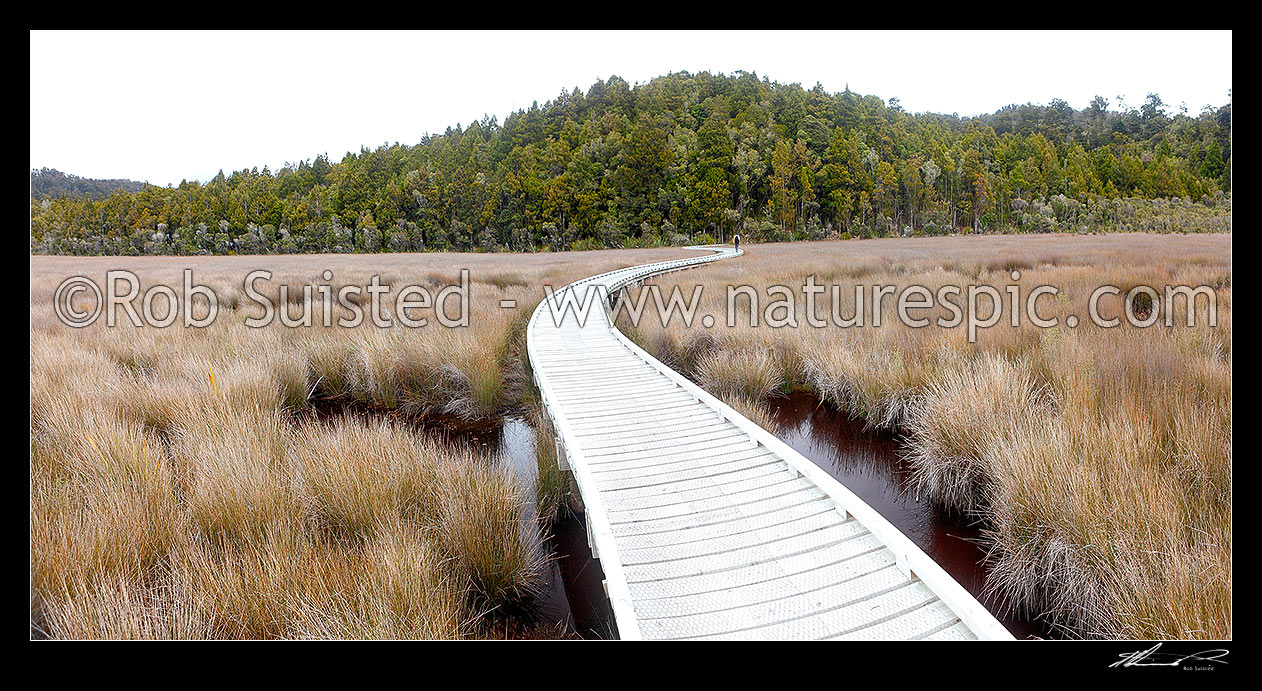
column 866, row 462
column 869, row 464
column 574, row 593
column 582, row 577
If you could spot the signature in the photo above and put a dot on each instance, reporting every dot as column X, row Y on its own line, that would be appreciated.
column 1152, row 658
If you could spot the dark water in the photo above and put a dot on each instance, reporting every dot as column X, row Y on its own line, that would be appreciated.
column 869, row 464
column 574, row 594
column 582, row 578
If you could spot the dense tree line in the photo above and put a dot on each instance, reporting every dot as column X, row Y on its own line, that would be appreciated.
column 688, row 158
column 50, row 182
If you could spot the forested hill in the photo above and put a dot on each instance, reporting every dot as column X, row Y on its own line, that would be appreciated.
column 50, row 182
column 688, row 158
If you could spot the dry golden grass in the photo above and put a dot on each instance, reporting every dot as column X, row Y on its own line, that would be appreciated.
column 1099, row 459
column 552, row 485
column 179, row 487
column 752, row 375
column 182, row 487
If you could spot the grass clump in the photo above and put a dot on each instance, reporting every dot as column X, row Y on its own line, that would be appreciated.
column 1097, row 460
column 552, row 485
column 183, row 484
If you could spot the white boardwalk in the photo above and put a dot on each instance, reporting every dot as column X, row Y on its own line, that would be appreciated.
column 708, row 526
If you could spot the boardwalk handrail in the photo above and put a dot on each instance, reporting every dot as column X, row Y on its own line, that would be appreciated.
column 909, row 558
column 600, row 532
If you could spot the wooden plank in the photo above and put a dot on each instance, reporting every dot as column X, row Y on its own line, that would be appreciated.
column 708, row 526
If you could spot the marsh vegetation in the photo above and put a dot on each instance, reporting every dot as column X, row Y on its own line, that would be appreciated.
column 1097, row 460
column 211, row 483
column 229, row 482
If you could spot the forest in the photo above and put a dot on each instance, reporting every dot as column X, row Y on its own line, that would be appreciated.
column 684, row 158
column 50, row 182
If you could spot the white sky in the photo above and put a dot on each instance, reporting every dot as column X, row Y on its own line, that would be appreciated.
column 165, row 106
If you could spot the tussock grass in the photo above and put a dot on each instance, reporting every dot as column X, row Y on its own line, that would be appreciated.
column 352, row 529
column 480, row 525
column 755, row 410
column 1099, row 460
column 118, row 608
column 749, row 374
column 552, row 485
column 961, row 415
column 352, row 478
column 182, row 487
column 865, row 375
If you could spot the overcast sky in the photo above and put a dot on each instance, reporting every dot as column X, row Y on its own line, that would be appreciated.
column 167, row 106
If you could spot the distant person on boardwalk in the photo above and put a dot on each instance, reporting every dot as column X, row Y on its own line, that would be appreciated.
column 736, row 240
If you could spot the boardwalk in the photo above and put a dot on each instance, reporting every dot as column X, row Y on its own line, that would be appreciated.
column 708, row 526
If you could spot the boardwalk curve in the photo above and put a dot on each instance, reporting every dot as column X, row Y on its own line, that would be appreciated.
column 707, row 525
